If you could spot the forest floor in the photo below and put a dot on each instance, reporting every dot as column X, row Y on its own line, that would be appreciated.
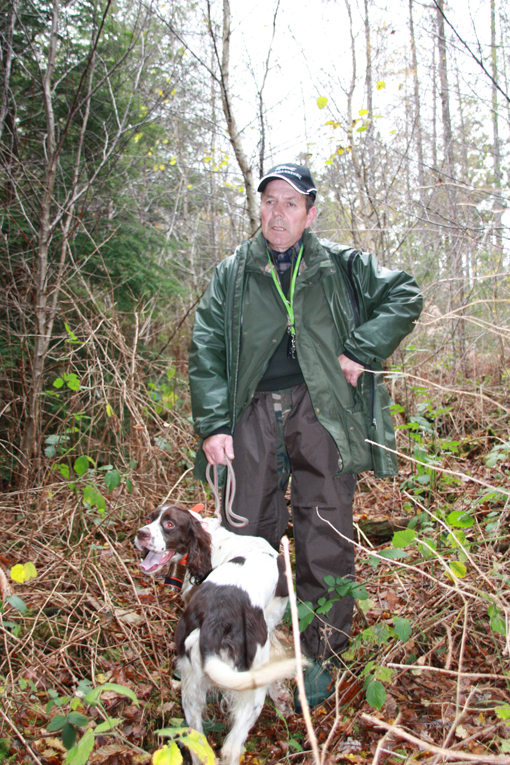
column 428, row 642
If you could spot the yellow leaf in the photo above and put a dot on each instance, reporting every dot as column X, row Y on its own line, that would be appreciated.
column 161, row 167
column 109, row 410
column 168, row 755
column 197, row 743
column 328, row 162
column 18, row 573
column 458, row 569
column 155, row 167
column 380, row 85
column 362, row 112
column 30, row 571
column 165, row 140
column 174, row 91
column 322, row 101
column 137, row 137
column 190, row 186
column 173, row 161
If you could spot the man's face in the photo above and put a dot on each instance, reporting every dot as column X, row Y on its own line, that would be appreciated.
column 283, row 215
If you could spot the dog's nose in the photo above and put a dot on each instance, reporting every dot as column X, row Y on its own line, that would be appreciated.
column 143, row 534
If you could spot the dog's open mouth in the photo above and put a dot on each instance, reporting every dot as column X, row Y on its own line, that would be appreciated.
column 153, row 561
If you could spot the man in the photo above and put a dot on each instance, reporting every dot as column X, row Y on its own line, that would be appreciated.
column 282, row 344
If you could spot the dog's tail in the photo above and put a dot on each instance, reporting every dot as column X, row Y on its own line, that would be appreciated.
column 224, row 676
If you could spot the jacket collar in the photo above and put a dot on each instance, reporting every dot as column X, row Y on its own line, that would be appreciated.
column 314, row 255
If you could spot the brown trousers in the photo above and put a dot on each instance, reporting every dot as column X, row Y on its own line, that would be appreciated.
column 262, row 475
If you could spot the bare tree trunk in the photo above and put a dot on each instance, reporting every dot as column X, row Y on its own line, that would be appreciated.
column 226, row 100
column 417, row 113
column 7, row 56
column 496, row 151
column 42, row 337
column 453, row 241
column 262, row 122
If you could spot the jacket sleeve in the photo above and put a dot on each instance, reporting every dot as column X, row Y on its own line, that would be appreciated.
column 208, row 376
column 391, row 302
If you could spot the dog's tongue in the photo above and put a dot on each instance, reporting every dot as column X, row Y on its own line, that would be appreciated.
column 155, row 559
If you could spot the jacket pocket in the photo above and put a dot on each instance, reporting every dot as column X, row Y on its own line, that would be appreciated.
column 360, row 451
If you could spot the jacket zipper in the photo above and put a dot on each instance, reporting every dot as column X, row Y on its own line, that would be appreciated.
column 234, row 399
column 353, row 295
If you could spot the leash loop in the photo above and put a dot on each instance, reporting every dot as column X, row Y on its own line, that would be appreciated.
column 238, row 521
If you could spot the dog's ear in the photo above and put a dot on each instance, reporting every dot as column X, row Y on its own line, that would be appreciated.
column 199, row 550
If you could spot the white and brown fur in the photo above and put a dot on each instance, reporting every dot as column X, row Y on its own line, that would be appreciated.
column 225, row 638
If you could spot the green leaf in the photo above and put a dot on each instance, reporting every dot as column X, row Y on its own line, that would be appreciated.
column 460, row 519
column 392, row 554
column 17, row 603
column 81, row 752
column 107, row 725
column 94, row 497
column 330, row 580
column 81, row 465
column 503, row 712
column 403, row 538
column 57, row 723
column 375, row 694
column 76, row 718
column 427, row 547
column 63, row 470
column 112, row 479
column 402, row 627
column 129, row 485
column 69, row 734
column 322, row 102
column 72, row 381
column 305, row 615
column 58, row 383
column 458, row 568
column 384, row 674
column 94, row 695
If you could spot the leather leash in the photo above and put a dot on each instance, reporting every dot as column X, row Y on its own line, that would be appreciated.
column 238, row 521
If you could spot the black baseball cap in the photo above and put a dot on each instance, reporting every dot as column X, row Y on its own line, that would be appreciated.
column 298, row 176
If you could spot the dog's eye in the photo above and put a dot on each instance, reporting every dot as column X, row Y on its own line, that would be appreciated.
column 168, row 525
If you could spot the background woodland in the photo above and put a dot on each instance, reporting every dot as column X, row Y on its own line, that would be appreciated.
column 132, row 137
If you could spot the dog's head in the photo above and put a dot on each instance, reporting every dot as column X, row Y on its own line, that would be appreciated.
column 172, row 532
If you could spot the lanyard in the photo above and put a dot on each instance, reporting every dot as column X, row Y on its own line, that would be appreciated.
column 289, row 304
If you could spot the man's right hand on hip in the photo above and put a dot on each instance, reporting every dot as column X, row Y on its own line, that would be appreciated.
column 217, row 448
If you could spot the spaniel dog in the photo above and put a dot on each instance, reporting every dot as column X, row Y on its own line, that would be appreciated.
column 225, row 638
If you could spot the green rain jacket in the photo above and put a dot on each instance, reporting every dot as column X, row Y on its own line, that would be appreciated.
column 344, row 302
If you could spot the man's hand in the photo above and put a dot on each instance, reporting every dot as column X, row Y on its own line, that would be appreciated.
column 216, row 448
column 351, row 369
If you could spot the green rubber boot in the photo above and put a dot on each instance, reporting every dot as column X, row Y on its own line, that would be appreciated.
column 319, row 684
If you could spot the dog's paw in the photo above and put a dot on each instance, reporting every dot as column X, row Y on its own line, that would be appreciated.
column 282, row 697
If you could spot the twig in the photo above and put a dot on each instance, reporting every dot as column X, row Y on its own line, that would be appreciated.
column 299, row 656
column 453, row 672
column 464, row 476
column 490, row 758
column 23, row 741
column 382, row 741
